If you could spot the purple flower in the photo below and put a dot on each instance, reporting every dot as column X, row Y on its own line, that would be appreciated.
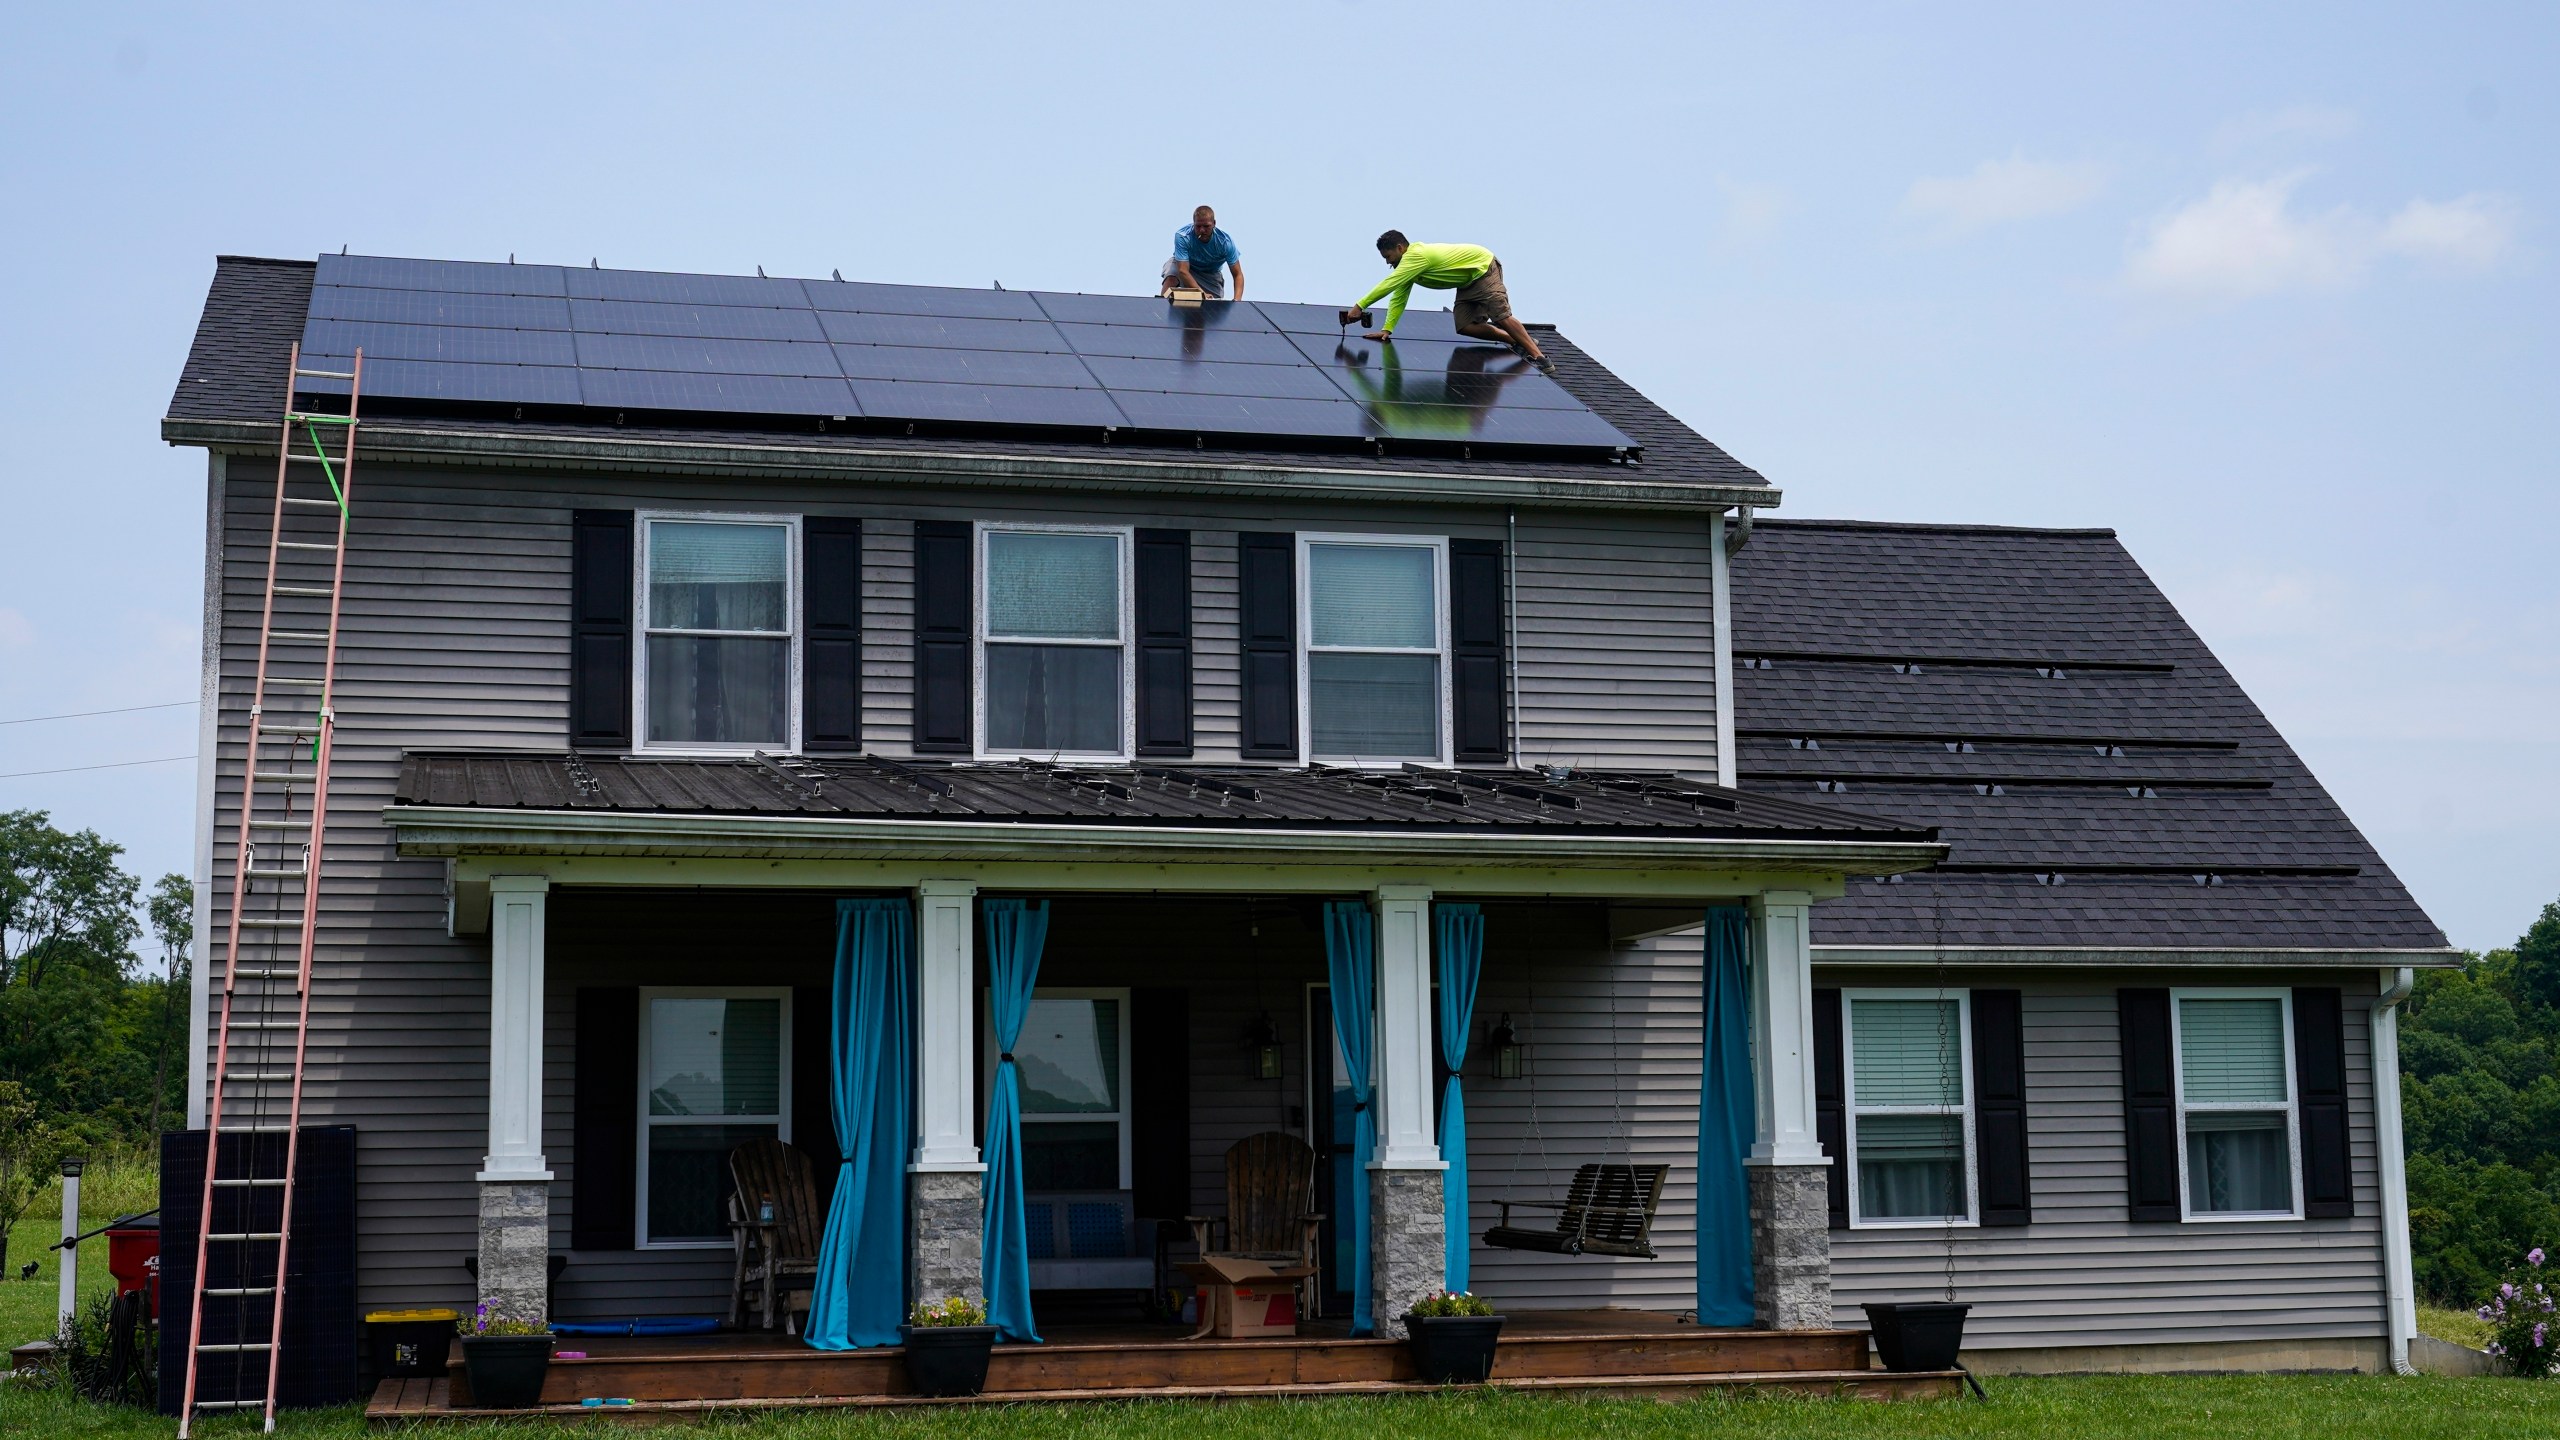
column 2506, row 1292
column 2484, row 1312
column 2533, row 1256
column 2538, row 1340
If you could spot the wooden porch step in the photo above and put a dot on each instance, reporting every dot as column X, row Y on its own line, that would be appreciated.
column 785, row 1372
column 404, row 1402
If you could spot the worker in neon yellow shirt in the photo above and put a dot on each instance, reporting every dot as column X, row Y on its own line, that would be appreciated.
column 1483, row 308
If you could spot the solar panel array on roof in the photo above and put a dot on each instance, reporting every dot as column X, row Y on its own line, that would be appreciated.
column 472, row 334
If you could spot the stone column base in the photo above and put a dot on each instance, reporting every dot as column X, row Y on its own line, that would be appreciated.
column 946, row 1235
column 1408, row 1244
column 515, row 1249
column 1791, row 1246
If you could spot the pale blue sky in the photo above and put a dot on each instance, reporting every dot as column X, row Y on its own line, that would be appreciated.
column 2270, row 293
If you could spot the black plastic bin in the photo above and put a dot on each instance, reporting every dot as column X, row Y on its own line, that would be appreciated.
column 408, row 1342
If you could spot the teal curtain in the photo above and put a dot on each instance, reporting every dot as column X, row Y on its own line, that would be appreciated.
column 1725, row 1123
column 1016, row 929
column 1351, row 965
column 861, row 1292
column 1461, row 949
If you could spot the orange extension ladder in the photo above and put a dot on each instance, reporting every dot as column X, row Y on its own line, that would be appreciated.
column 262, row 1012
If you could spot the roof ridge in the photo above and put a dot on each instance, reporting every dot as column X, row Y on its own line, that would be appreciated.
column 1929, row 527
column 264, row 260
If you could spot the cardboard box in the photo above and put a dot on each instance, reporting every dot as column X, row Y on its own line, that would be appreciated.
column 1241, row 1298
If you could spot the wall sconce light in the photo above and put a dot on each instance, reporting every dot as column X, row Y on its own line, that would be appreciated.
column 1263, row 1039
column 1506, row 1049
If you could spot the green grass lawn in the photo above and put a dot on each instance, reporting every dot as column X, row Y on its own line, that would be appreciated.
column 2078, row 1408
column 117, row 1186
column 2462, row 1327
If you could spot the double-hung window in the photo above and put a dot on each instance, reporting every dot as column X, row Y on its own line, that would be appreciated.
column 1910, row 1096
column 1377, row 648
column 1053, row 627
column 1073, row 1061
column 715, row 1073
column 719, row 662
column 2236, row 1106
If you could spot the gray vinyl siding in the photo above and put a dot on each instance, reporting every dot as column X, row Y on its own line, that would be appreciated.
column 2084, row 1275
column 1616, row 642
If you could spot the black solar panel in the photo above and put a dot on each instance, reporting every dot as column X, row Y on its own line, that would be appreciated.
column 628, row 340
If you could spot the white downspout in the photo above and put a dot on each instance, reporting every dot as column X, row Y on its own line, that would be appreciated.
column 1723, row 542
column 2399, row 1282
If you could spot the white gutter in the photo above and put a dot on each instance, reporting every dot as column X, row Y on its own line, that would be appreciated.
column 2398, row 1270
column 471, row 830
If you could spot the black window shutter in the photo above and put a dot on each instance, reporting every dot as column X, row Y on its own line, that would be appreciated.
column 600, row 653
column 1160, row 1102
column 943, row 566
column 2320, row 1084
column 605, row 1100
column 831, row 645
column 1164, row 643
column 1475, row 652
column 2000, row 1107
column 2150, row 1106
column 1831, row 1099
column 813, row 1116
column 1267, row 579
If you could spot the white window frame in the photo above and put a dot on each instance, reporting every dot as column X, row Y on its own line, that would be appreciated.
column 1128, row 1105
column 1972, row 1161
column 791, row 635
column 1127, row 644
column 782, row 1123
column 1438, row 545
column 2292, row 1100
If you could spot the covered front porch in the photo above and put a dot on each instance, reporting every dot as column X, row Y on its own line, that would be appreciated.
column 1640, row 983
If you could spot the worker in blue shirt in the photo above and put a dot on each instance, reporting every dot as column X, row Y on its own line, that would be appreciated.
column 1199, row 248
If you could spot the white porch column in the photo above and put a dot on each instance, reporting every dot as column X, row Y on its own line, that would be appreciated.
column 516, row 909
column 1789, row 1176
column 946, row 1181
column 946, row 1048
column 515, row 1179
column 1782, row 1030
column 1403, row 1048
column 1408, row 1250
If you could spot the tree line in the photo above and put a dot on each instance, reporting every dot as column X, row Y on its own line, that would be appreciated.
column 2480, row 1108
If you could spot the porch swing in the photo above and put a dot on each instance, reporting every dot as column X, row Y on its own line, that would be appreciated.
column 1608, row 1210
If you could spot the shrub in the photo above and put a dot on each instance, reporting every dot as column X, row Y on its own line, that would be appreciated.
column 1452, row 1303
column 2524, row 1324
column 953, row 1311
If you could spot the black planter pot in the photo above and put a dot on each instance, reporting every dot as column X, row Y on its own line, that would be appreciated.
column 945, row 1360
column 1918, row 1334
column 1453, row 1349
column 506, row 1370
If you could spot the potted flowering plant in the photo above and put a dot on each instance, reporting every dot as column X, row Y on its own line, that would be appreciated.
column 504, row 1359
column 947, row 1345
column 2525, row 1328
column 1452, row 1337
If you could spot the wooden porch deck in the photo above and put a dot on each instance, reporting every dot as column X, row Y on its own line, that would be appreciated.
column 1600, row 1352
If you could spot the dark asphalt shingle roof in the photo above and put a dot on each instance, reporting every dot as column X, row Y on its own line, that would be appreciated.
column 1226, row 797
column 255, row 309
column 2107, row 783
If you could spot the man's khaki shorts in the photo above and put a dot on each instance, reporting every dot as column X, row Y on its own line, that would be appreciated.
column 1483, row 301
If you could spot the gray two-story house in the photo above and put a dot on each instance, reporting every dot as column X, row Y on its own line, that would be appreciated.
column 1022, row 751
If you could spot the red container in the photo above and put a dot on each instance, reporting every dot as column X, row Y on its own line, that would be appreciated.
column 133, row 1257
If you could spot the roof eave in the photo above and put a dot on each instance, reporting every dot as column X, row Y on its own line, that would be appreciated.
column 457, row 831
column 389, row 440
column 2203, row 957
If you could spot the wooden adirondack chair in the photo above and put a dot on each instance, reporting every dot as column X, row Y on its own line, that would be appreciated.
column 777, row 1261
column 1271, row 1214
column 1609, row 1211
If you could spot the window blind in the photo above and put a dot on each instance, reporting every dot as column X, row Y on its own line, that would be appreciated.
column 2232, row 1051
column 1373, row 596
column 706, row 576
column 1907, row 1052
column 1053, row 587
column 714, row 1056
